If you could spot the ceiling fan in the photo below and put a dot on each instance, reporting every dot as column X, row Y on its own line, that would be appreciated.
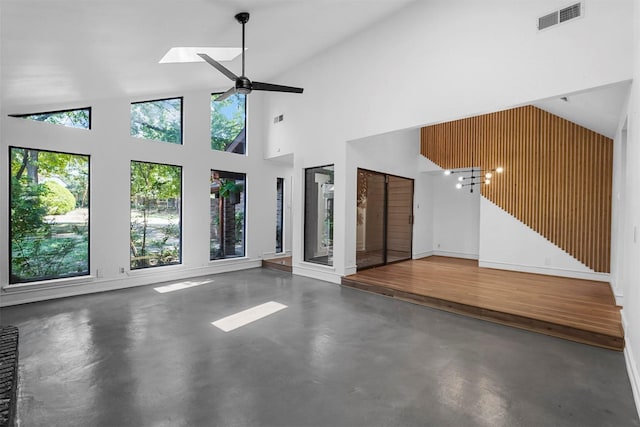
column 242, row 84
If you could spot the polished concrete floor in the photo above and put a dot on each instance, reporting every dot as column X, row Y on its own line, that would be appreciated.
column 334, row 357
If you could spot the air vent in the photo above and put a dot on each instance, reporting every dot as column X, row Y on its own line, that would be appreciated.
column 560, row 16
column 570, row 12
column 548, row 20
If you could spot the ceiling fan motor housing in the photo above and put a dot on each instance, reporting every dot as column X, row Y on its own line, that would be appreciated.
column 243, row 85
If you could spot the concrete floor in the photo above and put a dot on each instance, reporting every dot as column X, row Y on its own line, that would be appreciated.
column 334, row 357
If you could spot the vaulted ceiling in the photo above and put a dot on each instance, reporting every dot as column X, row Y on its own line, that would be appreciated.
column 69, row 50
column 60, row 53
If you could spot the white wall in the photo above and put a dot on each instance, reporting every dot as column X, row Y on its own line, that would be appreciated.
column 395, row 153
column 111, row 149
column 432, row 62
column 627, row 237
column 456, row 218
column 506, row 243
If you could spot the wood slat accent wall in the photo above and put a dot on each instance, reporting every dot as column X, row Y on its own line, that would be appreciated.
column 557, row 177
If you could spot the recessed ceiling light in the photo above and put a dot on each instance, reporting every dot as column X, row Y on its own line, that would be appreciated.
column 190, row 54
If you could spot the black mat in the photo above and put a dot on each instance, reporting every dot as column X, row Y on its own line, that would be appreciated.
column 8, row 374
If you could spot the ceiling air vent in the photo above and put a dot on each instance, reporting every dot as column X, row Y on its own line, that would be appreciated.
column 560, row 16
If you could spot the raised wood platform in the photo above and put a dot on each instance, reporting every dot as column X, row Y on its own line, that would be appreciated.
column 578, row 310
column 282, row 264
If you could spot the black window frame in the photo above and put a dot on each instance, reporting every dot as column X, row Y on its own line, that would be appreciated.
column 246, row 139
column 244, row 211
column 280, row 208
column 181, row 212
column 10, row 248
column 306, row 257
column 181, row 98
column 67, row 110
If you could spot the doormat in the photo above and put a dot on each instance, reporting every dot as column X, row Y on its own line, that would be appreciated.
column 8, row 374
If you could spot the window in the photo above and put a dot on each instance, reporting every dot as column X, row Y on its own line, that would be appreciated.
column 228, row 123
column 49, row 215
column 227, row 212
column 318, row 215
column 159, row 120
column 279, row 214
column 156, row 191
column 78, row 118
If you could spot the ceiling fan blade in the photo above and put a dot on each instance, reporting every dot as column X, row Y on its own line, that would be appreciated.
column 225, row 95
column 275, row 88
column 218, row 66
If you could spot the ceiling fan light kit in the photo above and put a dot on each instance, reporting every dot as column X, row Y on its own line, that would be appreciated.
column 242, row 84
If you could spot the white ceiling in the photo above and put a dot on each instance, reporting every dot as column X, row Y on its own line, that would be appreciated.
column 66, row 51
column 62, row 53
column 598, row 109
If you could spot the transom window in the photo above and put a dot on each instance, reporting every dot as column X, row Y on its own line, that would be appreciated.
column 228, row 123
column 159, row 120
column 76, row 118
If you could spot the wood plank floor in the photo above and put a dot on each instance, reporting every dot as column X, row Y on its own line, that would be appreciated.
column 282, row 264
column 578, row 310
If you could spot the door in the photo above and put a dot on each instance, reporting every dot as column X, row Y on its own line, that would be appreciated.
column 384, row 219
column 399, row 218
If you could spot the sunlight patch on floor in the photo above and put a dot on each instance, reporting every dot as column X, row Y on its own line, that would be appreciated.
column 180, row 285
column 250, row 315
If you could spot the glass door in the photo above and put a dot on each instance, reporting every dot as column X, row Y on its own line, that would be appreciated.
column 370, row 221
column 384, row 219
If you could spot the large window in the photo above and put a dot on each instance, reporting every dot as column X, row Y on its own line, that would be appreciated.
column 78, row 118
column 227, row 211
column 49, row 215
column 160, row 120
column 228, row 124
column 156, row 191
column 318, row 215
column 279, row 214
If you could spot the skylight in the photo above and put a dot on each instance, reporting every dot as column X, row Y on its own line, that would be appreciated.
column 190, row 54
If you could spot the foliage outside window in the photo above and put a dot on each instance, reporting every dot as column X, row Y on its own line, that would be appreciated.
column 156, row 191
column 227, row 211
column 159, row 120
column 78, row 118
column 279, row 214
column 228, row 124
column 318, row 215
column 49, row 215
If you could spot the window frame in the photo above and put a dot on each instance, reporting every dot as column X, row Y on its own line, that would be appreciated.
column 9, row 217
column 244, row 221
column 246, row 136
column 180, row 242
column 280, row 207
column 67, row 110
column 306, row 258
column 181, row 98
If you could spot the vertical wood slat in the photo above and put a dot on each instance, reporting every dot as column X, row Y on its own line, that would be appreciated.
column 557, row 178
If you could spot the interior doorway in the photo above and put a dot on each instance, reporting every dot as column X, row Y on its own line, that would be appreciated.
column 384, row 219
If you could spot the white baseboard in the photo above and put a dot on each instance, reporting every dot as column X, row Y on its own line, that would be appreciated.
column 455, row 254
column 272, row 255
column 46, row 291
column 422, row 255
column 320, row 272
column 600, row 277
column 632, row 367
